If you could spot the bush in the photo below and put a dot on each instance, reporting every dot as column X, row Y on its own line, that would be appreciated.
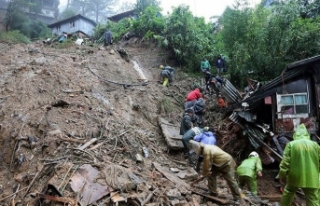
column 14, row 37
column 118, row 29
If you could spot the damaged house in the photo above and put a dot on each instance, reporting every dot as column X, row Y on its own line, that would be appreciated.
column 272, row 111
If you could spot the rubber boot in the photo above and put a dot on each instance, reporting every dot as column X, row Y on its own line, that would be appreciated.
column 165, row 82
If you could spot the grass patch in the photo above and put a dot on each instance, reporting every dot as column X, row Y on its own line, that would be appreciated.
column 165, row 106
column 14, row 37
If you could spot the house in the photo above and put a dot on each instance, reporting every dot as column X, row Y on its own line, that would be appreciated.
column 74, row 24
column 268, row 112
column 126, row 14
column 47, row 12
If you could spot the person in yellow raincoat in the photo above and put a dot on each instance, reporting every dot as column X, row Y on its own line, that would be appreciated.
column 167, row 74
column 218, row 162
column 300, row 168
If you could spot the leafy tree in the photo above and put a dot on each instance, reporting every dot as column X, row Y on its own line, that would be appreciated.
column 14, row 6
column 67, row 13
column 148, row 23
column 100, row 8
column 141, row 5
column 80, row 5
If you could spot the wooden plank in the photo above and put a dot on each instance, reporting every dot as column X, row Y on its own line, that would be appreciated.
column 173, row 178
column 171, row 134
column 87, row 144
column 216, row 199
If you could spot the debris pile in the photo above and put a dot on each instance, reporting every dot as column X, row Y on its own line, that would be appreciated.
column 74, row 131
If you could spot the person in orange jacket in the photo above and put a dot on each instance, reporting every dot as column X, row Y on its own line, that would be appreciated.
column 221, row 102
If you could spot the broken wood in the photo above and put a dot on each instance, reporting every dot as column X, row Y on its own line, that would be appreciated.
column 96, row 146
column 62, row 182
column 84, row 151
column 35, row 177
column 13, row 194
column 87, row 144
column 72, row 140
column 68, row 200
column 200, row 179
column 170, row 176
column 216, row 199
column 171, row 134
column 149, row 197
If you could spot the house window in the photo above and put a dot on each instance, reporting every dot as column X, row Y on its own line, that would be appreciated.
column 72, row 24
column 293, row 105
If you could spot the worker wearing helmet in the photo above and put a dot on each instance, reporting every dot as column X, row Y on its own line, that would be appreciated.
column 167, row 74
column 248, row 171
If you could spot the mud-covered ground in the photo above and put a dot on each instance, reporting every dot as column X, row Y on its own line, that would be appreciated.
column 54, row 99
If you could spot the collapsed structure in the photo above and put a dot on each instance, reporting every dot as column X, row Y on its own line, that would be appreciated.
column 269, row 112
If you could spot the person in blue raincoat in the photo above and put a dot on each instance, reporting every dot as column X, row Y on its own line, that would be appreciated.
column 207, row 137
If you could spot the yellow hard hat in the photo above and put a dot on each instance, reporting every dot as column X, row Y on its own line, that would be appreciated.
column 161, row 67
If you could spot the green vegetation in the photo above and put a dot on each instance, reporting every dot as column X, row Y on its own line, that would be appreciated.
column 18, row 20
column 256, row 42
column 13, row 37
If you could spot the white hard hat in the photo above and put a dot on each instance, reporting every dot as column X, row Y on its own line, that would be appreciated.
column 253, row 154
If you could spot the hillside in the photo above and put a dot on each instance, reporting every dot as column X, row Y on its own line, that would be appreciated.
column 55, row 100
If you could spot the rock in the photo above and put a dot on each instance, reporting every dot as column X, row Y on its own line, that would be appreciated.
column 174, row 202
column 188, row 174
column 55, row 132
column 173, row 194
column 174, row 170
column 19, row 178
column 139, row 158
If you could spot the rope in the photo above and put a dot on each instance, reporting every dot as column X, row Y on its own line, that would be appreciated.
column 125, row 85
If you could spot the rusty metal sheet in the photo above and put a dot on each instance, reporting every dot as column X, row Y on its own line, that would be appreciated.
column 82, row 182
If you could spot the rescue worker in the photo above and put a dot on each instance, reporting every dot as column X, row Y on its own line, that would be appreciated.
column 108, row 38
column 248, row 171
column 300, row 168
column 199, row 110
column 167, row 74
column 209, row 79
column 220, row 64
column 189, row 135
column 219, row 162
column 221, row 102
column 186, row 122
column 205, row 65
column 206, row 137
column 193, row 96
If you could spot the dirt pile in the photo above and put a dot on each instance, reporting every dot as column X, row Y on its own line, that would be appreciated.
column 82, row 123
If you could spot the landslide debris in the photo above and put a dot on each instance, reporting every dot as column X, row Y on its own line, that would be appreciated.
column 80, row 124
